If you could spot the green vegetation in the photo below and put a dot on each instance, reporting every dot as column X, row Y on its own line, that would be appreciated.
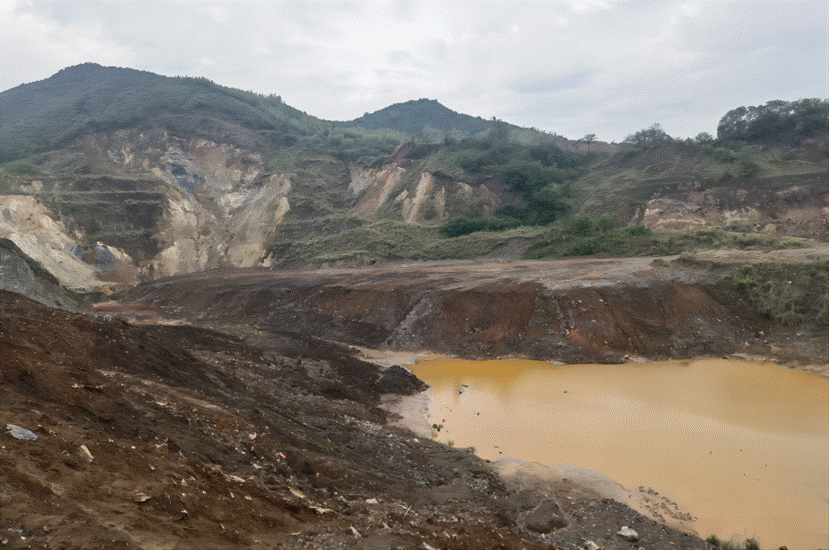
column 535, row 177
column 344, row 145
column 88, row 98
column 789, row 294
column 416, row 117
column 581, row 235
column 464, row 226
column 21, row 168
column 538, row 175
column 749, row 544
column 782, row 121
column 354, row 239
column 648, row 138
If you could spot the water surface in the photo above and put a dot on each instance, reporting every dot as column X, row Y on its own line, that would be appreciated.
column 743, row 446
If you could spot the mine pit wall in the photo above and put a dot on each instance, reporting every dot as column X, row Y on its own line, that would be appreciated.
column 582, row 324
column 665, row 320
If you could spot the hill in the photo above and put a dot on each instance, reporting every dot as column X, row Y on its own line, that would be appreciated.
column 120, row 180
column 411, row 117
column 89, row 98
column 112, row 175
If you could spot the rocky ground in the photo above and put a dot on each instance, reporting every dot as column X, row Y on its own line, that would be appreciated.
column 155, row 436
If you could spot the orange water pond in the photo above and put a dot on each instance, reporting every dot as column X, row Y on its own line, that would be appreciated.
column 743, row 446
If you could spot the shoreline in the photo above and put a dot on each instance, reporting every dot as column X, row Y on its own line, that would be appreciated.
column 388, row 358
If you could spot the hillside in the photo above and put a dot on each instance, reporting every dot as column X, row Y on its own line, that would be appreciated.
column 113, row 176
column 88, row 99
column 411, row 117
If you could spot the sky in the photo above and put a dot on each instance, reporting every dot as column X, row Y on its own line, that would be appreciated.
column 570, row 67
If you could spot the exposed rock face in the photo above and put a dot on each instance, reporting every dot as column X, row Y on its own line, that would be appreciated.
column 204, row 205
column 29, row 225
column 375, row 185
column 796, row 205
column 135, row 205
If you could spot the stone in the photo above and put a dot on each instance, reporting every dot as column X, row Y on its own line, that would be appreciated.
column 628, row 534
column 547, row 517
column 20, row 433
column 86, row 454
column 140, row 497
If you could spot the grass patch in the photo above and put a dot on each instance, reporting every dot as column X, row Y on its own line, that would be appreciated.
column 790, row 294
column 354, row 238
column 581, row 235
column 21, row 168
column 749, row 544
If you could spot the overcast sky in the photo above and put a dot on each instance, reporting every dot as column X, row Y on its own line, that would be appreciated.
column 570, row 67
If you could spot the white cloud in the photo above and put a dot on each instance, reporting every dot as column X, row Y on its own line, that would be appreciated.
column 573, row 67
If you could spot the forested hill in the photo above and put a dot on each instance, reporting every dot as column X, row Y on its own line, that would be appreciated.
column 411, row 117
column 89, row 98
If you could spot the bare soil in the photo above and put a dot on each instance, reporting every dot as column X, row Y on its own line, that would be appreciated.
column 155, row 436
column 155, row 430
column 581, row 310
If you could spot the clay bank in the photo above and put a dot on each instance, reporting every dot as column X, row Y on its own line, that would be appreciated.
column 586, row 310
column 573, row 311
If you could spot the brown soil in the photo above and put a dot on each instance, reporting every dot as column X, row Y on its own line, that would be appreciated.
column 278, row 437
column 196, row 439
column 582, row 310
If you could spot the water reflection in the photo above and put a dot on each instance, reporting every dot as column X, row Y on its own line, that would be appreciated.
column 742, row 445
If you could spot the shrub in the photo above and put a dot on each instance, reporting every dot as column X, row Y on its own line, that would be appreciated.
column 638, row 230
column 462, row 225
column 21, row 168
column 606, row 222
column 580, row 225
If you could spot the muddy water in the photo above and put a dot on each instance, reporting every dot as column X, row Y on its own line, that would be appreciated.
column 743, row 446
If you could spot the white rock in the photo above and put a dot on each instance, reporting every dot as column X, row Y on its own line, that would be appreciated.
column 20, row 433
column 628, row 534
column 86, row 454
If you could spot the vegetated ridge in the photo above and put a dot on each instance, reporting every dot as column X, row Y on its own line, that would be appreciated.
column 413, row 117
column 170, row 175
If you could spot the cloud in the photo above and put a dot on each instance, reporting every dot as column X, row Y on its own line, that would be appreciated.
column 572, row 67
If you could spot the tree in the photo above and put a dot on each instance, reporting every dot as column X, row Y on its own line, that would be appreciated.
column 703, row 138
column 606, row 222
column 580, row 225
column 499, row 131
column 650, row 137
column 776, row 120
column 588, row 139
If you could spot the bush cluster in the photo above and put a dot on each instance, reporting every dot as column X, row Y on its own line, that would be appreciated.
column 791, row 295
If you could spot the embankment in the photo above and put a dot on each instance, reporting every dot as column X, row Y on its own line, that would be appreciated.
column 582, row 310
